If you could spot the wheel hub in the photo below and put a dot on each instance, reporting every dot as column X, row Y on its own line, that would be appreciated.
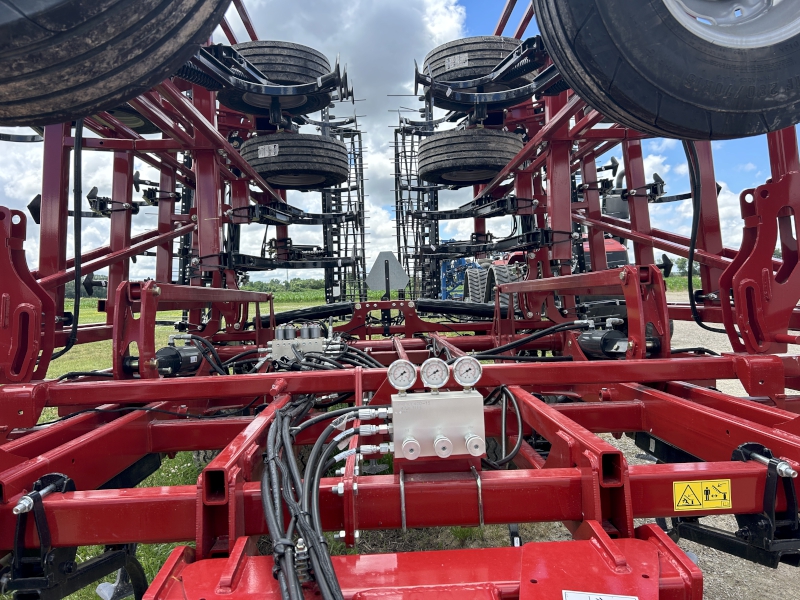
column 738, row 23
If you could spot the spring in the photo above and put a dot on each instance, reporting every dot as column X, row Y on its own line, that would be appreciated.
column 193, row 74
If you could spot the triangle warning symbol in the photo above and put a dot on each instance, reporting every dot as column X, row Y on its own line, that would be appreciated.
column 689, row 498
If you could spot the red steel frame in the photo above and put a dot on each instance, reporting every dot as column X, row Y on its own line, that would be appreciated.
column 584, row 482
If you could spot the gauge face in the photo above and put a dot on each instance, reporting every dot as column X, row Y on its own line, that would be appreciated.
column 402, row 374
column 467, row 371
column 434, row 373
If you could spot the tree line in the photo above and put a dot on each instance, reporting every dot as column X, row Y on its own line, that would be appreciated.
column 293, row 285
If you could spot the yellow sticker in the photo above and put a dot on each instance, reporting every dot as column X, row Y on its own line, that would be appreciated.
column 714, row 494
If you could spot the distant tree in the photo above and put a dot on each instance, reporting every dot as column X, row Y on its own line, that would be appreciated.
column 777, row 254
column 682, row 267
column 97, row 292
column 294, row 285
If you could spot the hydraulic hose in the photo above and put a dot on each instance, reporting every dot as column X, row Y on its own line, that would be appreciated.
column 76, row 237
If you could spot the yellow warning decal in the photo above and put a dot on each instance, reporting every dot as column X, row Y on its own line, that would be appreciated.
column 714, row 494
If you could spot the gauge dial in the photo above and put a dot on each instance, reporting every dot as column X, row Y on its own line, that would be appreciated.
column 402, row 375
column 467, row 371
column 434, row 373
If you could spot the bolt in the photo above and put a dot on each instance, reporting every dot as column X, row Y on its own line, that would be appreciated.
column 340, row 535
column 237, row 326
column 338, row 489
column 358, row 306
column 24, row 505
column 152, row 363
column 622, row 276
column 67, row 567
column 355, row 490
column 783, row 468
column 631, row 345
column 357, row 534
column 529, row 314
column 156, row 291
column 194, row 218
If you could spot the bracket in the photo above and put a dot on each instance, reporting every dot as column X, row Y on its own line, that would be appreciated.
column 768, row 538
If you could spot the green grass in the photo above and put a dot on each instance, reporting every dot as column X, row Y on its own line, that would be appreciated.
column 680, row 283
column 465, row 534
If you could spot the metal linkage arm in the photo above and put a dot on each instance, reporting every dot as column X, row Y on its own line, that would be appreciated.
column 527, row 241
column 246, row 262
column 530, row 56
column 279, row 213
column 549, row 77
column 224, row 66
column 482, row 208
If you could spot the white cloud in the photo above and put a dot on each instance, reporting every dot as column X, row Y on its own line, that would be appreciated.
column 662, row 144
column 655, row 163
column 444, row 20
column 682, row 169
column 747, row 167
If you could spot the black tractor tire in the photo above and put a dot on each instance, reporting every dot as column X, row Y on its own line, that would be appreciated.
column 132, row 119
column 499, row 275
column 637, row 64
column 298, row 161
column 449, row 63
column 475, row 285
column 466, row 157
column 65, row 59
column 470, row 58
column 283, row 63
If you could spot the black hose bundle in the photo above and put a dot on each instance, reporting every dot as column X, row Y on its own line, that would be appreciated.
column 492, row 353
column 491, row 399
column 308, row 361
column 283, row 488
column 210, row 354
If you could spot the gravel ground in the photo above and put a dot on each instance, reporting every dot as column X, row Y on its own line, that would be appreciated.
column 725, row 577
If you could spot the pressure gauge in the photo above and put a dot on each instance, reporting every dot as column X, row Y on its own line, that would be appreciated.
column 434, row 373
column 402, row 374
column 467, row 371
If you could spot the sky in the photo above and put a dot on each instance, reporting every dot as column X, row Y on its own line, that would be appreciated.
column 379, row 40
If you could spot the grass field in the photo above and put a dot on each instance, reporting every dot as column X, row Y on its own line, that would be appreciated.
column 676, row 283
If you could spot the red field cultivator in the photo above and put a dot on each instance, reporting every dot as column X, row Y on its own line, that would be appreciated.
column 483, row 413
